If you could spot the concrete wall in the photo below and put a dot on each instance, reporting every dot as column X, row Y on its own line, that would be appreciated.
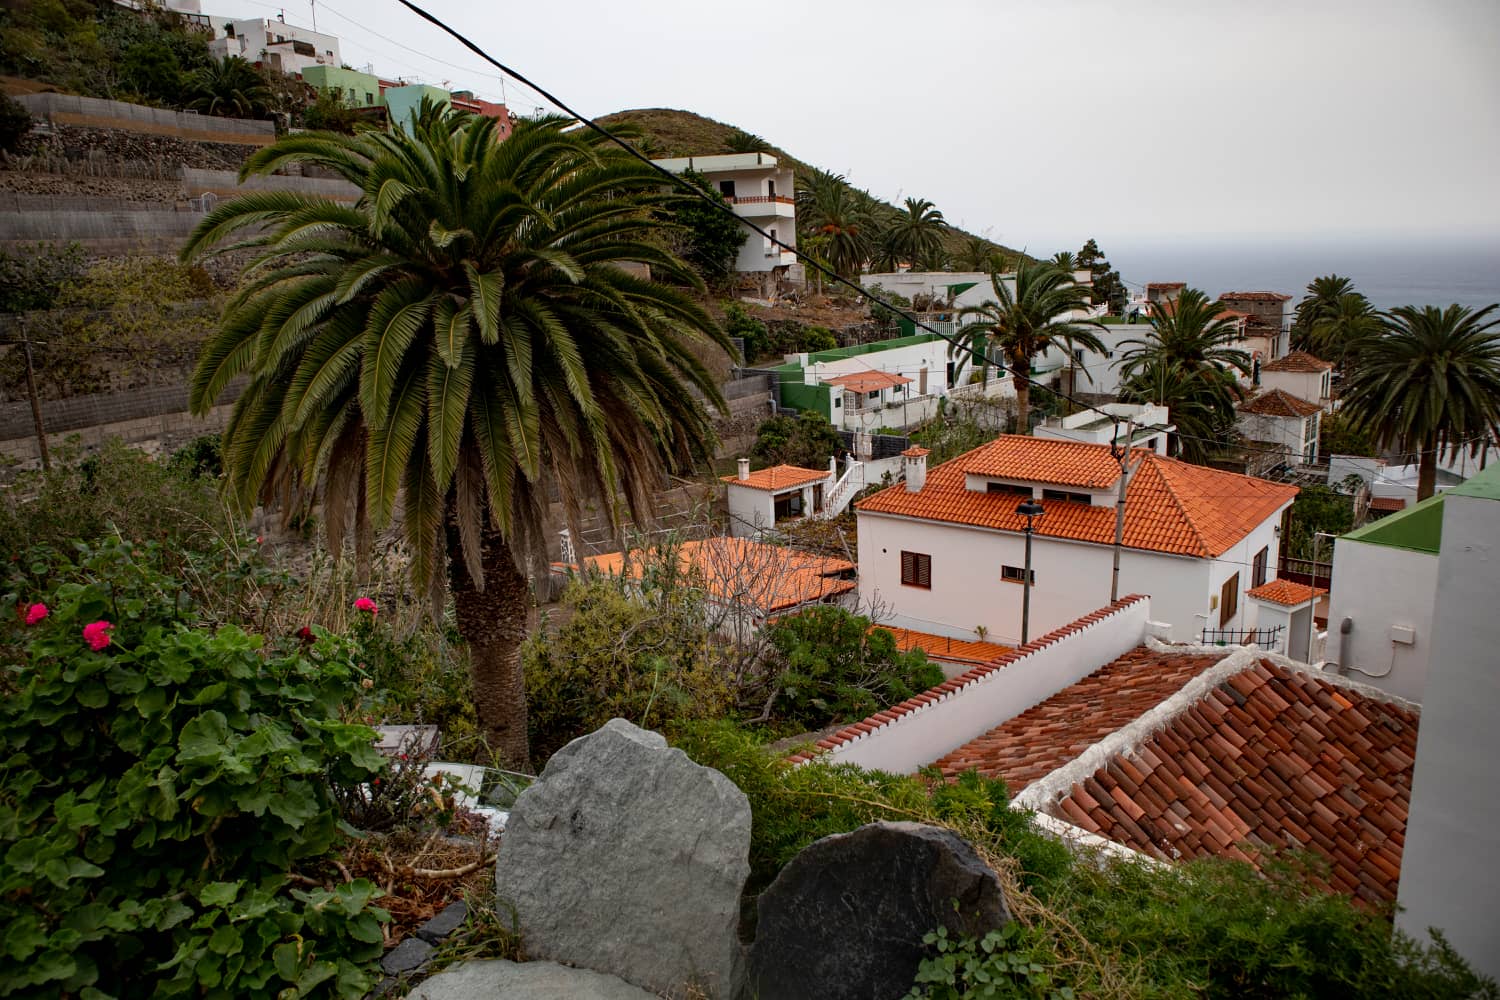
column 67, row 109
column 917, row 738
column 750, row 511
column 1311, row 386
column 1378, row 586
column 1449, row 876
column 226, row 184
column 1290, row 434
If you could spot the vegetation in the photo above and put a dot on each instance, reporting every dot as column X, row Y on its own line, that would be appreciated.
column 1107, row 287
column 1024, row 324
column 1429, row 384
column 1192, row 332
column 462, row 338
column 35, row 278
column 830, row 210
column 15, row 124
column 1201, row 402
column 962, row 427
column 229, row 88
column 807, row 439
column 837, row 667
column 1318, row 509
column 914, row 238
column 710, row 240
column 1333, row 320
column 1338, row 436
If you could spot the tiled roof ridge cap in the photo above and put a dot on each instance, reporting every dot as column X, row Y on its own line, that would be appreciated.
column 1204, row 549
column 1056, row 785
column 958, row 685
column 1298, row 667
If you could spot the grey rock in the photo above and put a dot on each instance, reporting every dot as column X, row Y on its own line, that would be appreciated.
column 845, row 919
column 406, row 956
column 627, row 858
column 498, row 979
column 446, row 922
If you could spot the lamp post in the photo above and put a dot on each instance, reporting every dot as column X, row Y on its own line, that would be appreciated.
column 1028, row 509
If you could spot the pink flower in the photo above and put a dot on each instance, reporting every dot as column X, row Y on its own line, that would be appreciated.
column 96, row 634
column 365, row 604
column 35, row 613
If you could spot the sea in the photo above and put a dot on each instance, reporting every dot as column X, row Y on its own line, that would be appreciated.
column 1389, row 274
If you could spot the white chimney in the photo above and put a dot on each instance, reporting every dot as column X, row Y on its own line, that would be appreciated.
column 915, row 461
column 744, row 473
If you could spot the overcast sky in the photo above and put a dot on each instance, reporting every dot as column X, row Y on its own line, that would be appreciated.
column 1039, row 123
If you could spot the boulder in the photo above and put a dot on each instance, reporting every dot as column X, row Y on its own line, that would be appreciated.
column 627, row 858
column 498, row 979
column 845, row 918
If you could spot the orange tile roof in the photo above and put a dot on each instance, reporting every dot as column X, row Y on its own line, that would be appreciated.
column 1297, row 361
column 749, row 573
column 1387, row 503
column 1044, row 460
column 1170, row 506
column 868, row 381
column 1047, row 736
column 1165, row 284
column 1279, row 403
column 778, row 477
column 941, row 647
column 1287, row 592
column 1271, row 756
column 916, row 451
column 1256, row 296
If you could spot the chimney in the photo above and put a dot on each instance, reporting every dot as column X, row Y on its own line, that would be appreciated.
column 915, row 461
column 744, row 473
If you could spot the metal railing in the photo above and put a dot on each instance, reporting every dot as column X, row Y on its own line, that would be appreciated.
column 1268, row 639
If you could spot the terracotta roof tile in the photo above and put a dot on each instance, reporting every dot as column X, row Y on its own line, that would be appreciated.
column 1171, row 506
column 867, row 381
column 778, row 477
column 1165, row 284
column 1297, row 361
column 758, row 575
column 1332, row 776
column 941, row 647
column 1279, row 403
column 1286, row 592
column 1387, row 503
column 916, row 451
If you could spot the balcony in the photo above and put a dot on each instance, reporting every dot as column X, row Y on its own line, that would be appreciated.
column 763, row 205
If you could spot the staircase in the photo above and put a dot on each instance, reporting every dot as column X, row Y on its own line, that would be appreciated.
column 838, row 499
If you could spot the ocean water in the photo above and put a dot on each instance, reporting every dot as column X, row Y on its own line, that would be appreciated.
column 1388, row 274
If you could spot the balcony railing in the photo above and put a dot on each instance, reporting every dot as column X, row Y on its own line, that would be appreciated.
column 761, row 199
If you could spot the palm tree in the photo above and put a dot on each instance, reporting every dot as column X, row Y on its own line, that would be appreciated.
column 975, row 253
column 1431, row 384
column 1065, row 261
column 463, row 338
column 1191, row 331
column 229, row 88
column 914, row 236
column 1026, row 323
column 1201, row 402
column 1321, row 299
column 1337, row 331
column 827, row 206
column 740, row 141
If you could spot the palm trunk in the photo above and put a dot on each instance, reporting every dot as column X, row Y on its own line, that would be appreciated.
column 1427, row 471
column 1023, row 397
column 493, row 623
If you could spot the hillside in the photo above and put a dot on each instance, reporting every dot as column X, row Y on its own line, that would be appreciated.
column 670, row 132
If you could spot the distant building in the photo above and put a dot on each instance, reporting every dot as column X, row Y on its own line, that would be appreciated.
column 1151, row 430
column 1279, row 420
column 759, row 501
column 1302, row 375
column 274, row 44
column 1269, row 323
column 762, row 192
column 348, row 86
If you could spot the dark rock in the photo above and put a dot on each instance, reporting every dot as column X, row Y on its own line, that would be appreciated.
column 845, row 919
column 627, row 858
column 406, row 956
column 445, row 923
column 498, row 979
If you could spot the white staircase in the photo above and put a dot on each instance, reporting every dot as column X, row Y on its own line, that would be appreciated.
column 838, row 499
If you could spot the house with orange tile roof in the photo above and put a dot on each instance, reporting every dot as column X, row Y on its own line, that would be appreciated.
column 944, row 552
column 760, row 500
column 1276, row 419
column 1302, row 375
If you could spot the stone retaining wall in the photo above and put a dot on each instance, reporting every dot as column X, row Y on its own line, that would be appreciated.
column 93, row 112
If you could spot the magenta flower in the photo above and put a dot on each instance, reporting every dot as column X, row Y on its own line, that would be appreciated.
column 96, row 634
column 365, row 604
column 35, row 613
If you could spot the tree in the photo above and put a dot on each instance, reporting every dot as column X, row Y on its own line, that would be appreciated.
column 464, row 339
column 1191, row 331
column 1064, row 260
column 1201, row 403
column 229, row 88
column 807, row 439
column 913, row 237
column 15, row 123
column 1337, row 330
column 1321, row 299
column 35, row 277
column 975, row 253
column 1107, row 287
column 329, row 114
column 828, row 208
column 740, row 141
column 1025, row 324
column 151, row 70
column 710, row 240
column 1431, row 385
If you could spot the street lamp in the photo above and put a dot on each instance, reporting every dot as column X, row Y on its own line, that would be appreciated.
column 1028, row 509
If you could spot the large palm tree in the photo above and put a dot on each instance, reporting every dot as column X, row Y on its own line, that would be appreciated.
column 915, row 236
column 229, row 88
column 1322, row 298
column 1336, row 332
column 1065, row 260
column 1430, row 384
column 828, row 207
column 463, row 338
column 1026, row 323
column 1191, row 331
column 1201, row 402
column 975, row 253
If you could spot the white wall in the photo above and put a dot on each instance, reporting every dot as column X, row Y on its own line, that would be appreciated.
column 750, row 511
column 257, row 35
column 1290, row 434
column 1449, row 878
column 1377, row 586
column 950, row 719
column 911, row 283
column 1072, row 580
column 1304, row 385
column 1240, row 559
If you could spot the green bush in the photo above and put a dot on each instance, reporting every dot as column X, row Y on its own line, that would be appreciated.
column 834, row 667
column 739, row 323
column 158, row 784
column 818, row 338
column 807, row 439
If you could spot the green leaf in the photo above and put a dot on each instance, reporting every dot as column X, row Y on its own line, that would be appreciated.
column 204, row 739
column 296, row 804
column 219, row 894
column 287, row 958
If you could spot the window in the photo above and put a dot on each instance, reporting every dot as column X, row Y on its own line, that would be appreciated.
column 1258, row 568
column 1006, row 488
column 916, row 569
column 726, row 188
column 771, row 190
column 1229, row 600
column 1064, row 495
column 1016, row 574
column 873, row 396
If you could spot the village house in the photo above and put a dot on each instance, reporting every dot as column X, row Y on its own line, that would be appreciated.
column 760, row 501
column 944, row 551
column 762, row 192
column 1268, row 322
column 1275, row 419
column 286, row 48
column 1150, row 426
column 1302, row 375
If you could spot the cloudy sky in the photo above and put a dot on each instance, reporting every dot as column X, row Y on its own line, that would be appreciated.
column 1037, row 122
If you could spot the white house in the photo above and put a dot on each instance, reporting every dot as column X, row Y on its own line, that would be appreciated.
column 759, row 501
column 762, row 192
column 1151, row 425
column 944, row 552
column 1302, row 375
column 274, row 43
column 1279, row 419
column 1268, row 322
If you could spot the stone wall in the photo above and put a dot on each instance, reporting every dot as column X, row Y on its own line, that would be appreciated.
column 95, row 113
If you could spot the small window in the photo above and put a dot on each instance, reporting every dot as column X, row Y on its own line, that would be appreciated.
column 1004, row 488
column 1016, row 574
column 1229, row 600
column 1065, row 496
column 873, row 396
column 1258, row 568
column 726, row 188
column 916, row 569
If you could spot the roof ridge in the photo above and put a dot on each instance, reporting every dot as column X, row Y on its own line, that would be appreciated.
column 1205, row 550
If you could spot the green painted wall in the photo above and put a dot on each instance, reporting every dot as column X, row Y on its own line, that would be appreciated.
column 360, row 90
column 1418, row 528
column 807, row 397
column 403, row 102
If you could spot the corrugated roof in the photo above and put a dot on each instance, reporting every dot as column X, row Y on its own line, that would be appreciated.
column 1170, row 506
column 778, row 477
column 1297, row 361
column 749, row 573
column 1279, row 403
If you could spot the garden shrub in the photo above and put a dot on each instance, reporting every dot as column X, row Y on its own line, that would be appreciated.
column 158, row 783
column 739, row 323
column 835, row 667
column 807, row 440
